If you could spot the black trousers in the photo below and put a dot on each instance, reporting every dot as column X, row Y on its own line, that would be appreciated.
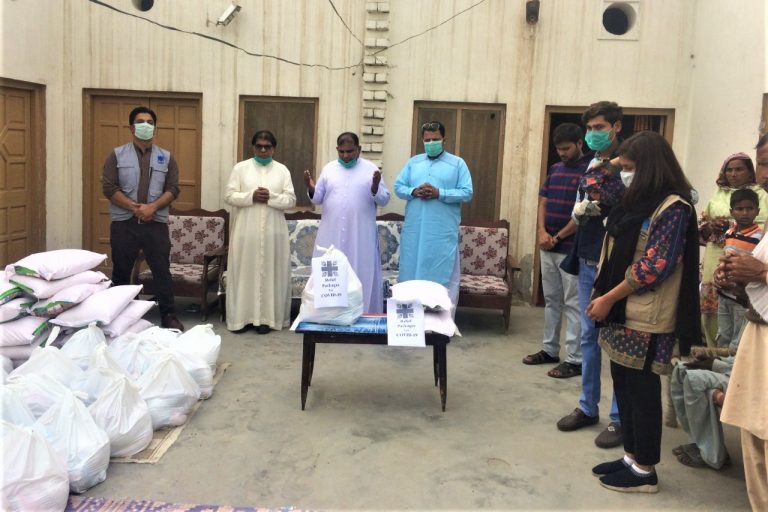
column 127, row 237
column 638, row 395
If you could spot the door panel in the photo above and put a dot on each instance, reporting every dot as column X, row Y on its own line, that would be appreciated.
column 178, row 130
column 480, row 141
column 20, row 208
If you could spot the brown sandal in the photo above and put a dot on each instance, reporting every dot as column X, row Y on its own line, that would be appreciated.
column 540, row 357
column 565, row 370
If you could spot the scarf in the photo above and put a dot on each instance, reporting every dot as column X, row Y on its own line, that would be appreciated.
column 624, row 227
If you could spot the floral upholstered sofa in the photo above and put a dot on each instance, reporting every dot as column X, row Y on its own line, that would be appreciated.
column 486, row 269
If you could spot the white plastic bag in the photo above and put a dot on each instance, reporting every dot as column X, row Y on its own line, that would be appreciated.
column 39, row 392
column 6, row 364
column 124, row 416
column 51, row 362
column 159, row 335
column 81, row 345
column 131, row 353
column 201, row 341
column 101, row 359
column 13, row 409
column 33, row 475
column 92, row 383
column 334, row 316
column 70, row 429
column 169, row 392
column 197, row 368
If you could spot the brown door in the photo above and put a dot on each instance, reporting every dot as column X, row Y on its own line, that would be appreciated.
column 178, row 130
column 475, row 133
column 22, row 178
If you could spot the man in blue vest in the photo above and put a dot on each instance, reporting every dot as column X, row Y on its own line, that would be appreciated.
column 141, row 180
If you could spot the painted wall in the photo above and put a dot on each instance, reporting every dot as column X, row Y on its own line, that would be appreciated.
column 703, row 58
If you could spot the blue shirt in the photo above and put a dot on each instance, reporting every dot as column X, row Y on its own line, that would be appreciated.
column 430, row 237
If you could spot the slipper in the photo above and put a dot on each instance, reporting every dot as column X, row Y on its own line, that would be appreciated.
column 691, row 460
column 676, row 451
column 540, row 357
column 565, row 370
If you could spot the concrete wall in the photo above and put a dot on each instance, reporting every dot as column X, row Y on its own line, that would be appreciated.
column 703, row 58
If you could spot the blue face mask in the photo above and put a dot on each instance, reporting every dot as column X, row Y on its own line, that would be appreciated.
column 348, row 165
column 433, row 147
column 263, row 161
column 598, row 141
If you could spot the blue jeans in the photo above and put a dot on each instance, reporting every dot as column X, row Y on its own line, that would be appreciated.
column 590, row 351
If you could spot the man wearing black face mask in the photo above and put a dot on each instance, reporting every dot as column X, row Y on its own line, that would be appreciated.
column 599, row 189
column 141, row 180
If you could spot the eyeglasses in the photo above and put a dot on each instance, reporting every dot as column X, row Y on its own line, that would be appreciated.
column 263, row 147
column 431, row 127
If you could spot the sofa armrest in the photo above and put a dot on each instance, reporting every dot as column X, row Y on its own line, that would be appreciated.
column 510, row 270
column 209, row 256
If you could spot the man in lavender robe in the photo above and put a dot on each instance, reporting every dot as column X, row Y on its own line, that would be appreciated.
column 350, row 189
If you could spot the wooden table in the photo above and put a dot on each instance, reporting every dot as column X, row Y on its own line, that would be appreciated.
column 369, row 330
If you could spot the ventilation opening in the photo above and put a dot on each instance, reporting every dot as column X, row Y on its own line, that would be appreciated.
column 143, row 5
column 619, row 18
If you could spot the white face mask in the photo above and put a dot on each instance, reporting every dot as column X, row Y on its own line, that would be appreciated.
column 626, row 177
column 144, row 131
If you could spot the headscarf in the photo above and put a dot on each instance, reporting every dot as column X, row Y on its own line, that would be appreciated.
column 722, row 181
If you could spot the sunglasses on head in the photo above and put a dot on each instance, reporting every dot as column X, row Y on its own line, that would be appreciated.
column 431, row 127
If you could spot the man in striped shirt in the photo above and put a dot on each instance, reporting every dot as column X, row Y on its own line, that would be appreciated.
column 555, row 237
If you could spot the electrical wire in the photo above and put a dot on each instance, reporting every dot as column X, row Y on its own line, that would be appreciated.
column 344, row 22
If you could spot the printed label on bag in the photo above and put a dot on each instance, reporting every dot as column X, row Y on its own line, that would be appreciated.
column 330, row 282
column 405, row 323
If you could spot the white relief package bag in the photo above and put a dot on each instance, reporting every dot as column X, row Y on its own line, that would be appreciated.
column 70, row 429
column 82, row 344
column 6, row 364
column 124, row 416
column 169, row 392
column 66, row 299
column 13, row 409
column 8, row 290
column 56, row 264
column 90, row 386
column 132, row 313
column 39, row 392
column 336, row 315
column 101, row 359
column 34, row 477
column 201, row 341
column 15, row 309
column 197, row 368
column 26, row 330
column 101, row 307
column 132, row 353
column 160, row 335
column 51, row 362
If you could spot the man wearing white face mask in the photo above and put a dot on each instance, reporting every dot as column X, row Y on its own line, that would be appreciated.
column 141, row 180
column 434, row 184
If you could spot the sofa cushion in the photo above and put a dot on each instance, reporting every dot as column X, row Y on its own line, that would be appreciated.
column 193, row 236
column 390, row 280
column 389, row 243
column 299, row 277
column 483, row 251
column 483, row 285
column 302, row 234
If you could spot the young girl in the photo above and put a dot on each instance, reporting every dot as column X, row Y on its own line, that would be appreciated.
column 646, row 297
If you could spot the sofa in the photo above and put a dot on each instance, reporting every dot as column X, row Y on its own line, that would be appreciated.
column 486, row 268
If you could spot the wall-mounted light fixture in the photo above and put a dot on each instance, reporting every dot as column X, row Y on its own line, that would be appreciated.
column 532, row 11
column 228, row 15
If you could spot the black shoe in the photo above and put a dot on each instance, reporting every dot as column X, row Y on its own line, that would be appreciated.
column 611, row 437
column 576, row 420
column 263, row 329
column 627, row 480
column 606, row 468
column 170, row 321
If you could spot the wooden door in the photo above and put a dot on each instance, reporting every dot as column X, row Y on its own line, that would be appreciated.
column 22, row 176
column 293, row 122
column 178, row 130
column 475, row 133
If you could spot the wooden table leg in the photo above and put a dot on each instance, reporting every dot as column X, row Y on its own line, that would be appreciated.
column 440, row 348
column 312, row 347
column 305, row 368
column 435, row 366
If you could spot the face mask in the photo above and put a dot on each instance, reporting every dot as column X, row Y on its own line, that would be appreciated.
column 263, row 161
column 433, row 147
column 348, row 165
column 626, row 177
column 144, row 131
column 598, row 141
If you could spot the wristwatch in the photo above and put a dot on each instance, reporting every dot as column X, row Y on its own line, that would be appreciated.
column 556, row 238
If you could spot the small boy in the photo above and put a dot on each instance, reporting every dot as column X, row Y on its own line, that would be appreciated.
column 742, row 237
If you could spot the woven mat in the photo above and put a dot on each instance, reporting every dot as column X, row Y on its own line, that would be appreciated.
column 83, row 504
column 164, row 438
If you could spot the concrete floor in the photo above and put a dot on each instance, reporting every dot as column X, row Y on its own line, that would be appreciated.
column 373, row 436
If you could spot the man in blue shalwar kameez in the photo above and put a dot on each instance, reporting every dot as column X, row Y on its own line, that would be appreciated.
column 434, row 184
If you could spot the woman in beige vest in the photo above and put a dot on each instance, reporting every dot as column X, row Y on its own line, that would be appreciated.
column 646, row 298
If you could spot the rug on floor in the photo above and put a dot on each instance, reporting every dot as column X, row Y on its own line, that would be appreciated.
column 84, row 504
column 163, row 439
